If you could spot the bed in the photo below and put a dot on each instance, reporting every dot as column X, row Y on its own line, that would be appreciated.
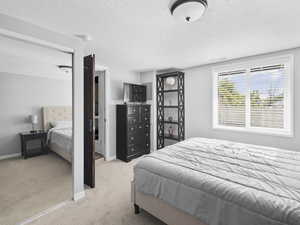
column 215, row 182
column 57, row 120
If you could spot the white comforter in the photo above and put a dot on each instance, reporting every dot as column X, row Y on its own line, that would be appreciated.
column 225, row 183
column 61, row 137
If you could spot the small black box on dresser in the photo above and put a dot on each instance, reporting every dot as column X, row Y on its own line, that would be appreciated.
column 133, row 131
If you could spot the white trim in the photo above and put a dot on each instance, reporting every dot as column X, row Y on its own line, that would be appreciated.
column 9, row 156
column 44, row 213
column 257, row 130
column 36, row 41
column 107, row 120
column 110, row 158
column 288, row 130
column 78, row 196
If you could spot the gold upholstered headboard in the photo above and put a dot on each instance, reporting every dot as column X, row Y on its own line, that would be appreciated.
column 55, row 113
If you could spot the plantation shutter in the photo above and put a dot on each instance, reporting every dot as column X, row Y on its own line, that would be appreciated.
column 267, row 96
column 232, row 90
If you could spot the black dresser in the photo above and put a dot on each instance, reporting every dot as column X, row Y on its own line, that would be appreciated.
column 133, row 131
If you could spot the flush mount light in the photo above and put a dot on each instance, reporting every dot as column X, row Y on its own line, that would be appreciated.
column 84, row 37
column 65, row 69
column 188, row 10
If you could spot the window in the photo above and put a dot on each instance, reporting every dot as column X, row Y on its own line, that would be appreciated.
column 254, row 96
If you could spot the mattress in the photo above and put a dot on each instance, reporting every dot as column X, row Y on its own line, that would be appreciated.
column 224, row 183
column 61, row 137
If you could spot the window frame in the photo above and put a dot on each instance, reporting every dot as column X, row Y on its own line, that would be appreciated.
column 288, row 130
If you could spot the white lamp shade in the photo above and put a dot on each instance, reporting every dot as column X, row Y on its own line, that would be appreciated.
column 189, row 11
column 33, row 119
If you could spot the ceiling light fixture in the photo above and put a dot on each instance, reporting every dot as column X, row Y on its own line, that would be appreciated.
column 65, row 69
column 84, row 37
column 188, row 10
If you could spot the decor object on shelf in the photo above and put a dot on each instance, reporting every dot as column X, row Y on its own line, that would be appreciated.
column 171, row 81
column 188, row 10
column 170, row 131
column 34, row 120
column 170, row 118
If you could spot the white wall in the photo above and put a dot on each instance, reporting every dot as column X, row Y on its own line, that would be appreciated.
column 21, row 96
column 116, row 76
column 198, row 107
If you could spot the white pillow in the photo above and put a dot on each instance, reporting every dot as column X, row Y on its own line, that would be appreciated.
column 61, row 124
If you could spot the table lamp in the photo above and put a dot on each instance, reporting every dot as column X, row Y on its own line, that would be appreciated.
column 34, row 120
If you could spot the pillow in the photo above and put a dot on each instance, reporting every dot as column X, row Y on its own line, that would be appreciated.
column 61, row 124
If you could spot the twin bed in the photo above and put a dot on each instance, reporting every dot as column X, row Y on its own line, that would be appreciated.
column 213, row 182
column 57, row 120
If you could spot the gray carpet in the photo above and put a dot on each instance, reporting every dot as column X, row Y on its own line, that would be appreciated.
column 107, row 204
column 32, row 185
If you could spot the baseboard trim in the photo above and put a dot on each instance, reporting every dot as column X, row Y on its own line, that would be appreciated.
column 43, row 213
column 78, row 196
column 110, row 158
column 9, row 156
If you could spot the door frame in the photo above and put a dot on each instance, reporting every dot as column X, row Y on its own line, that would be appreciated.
column 106, row 111
column 27, row 32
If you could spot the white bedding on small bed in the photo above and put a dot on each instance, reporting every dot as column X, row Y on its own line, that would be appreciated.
column 62, row 137
column 223, row 182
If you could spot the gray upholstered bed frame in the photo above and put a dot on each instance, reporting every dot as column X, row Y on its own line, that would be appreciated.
column 56, row 113
column 160, row 209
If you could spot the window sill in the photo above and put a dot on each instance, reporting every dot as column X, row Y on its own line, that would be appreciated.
column 263, row 131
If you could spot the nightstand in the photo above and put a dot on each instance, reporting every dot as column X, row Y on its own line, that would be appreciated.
column 27, row 137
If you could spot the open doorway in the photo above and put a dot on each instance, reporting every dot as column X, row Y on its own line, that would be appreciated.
column 100, row 108
column 36, row 135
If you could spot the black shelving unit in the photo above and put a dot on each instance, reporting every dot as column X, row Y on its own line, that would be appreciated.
column 170, row 115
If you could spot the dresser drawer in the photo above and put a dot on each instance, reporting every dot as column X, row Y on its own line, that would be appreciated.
column 132, row 120
column 132, row 149
column 132, row 128
column 133, row 110
column 131, row 139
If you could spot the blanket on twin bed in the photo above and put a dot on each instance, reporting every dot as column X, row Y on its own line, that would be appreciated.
column 224, row 183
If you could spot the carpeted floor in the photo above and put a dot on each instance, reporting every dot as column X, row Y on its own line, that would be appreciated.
column 107, row 204
column 30, row 186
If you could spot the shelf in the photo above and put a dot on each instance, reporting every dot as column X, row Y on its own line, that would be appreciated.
column 175, row 138
column 172, row 90
column 171, row 106
column 170, row 122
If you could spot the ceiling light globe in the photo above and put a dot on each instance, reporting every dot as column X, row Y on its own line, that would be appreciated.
column 188, row 10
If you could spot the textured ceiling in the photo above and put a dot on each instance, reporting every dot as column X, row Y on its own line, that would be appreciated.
column 141, row 35
column 18, row 57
